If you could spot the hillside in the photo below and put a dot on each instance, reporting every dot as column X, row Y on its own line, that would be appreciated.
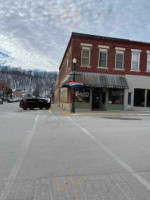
column 29, row 81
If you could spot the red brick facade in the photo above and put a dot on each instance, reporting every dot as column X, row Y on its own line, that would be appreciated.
column 74, row 50
column 112, row 43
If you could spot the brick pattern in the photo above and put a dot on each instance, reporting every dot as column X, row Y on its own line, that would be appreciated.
column 74, row 51
column 111, row 56
column 106, row 187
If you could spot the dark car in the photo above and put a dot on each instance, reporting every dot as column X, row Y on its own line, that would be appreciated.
column 32, row 103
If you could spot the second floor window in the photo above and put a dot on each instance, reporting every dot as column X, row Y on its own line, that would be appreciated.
column 148, row 61
column 103, row 58
column 135, row 60
column 85, row 57
column 119, row 59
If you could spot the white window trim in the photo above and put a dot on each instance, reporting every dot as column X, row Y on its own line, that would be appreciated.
column 120, row 49
column 86, row 45
column 137, row 51
column 147, row 70
column 86, row 48
column 106, row 51
column 103, row 47
column 121, row 52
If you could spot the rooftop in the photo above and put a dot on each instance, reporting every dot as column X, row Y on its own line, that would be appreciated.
column 107, row 38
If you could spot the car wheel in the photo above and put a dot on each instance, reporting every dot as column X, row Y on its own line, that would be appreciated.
column 41, row 108
column 24, row 108
column 47, row 107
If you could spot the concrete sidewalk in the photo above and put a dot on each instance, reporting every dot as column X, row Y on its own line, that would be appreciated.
column 108, row 113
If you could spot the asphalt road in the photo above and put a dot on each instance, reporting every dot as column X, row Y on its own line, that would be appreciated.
column 48, row 155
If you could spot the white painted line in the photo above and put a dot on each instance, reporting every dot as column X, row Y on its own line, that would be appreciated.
column 17, row 166
column 114, row 156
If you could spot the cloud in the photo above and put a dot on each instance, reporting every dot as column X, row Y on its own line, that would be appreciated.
column 36, row 33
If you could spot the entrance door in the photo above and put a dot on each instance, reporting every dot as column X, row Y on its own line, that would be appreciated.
column 96, row 99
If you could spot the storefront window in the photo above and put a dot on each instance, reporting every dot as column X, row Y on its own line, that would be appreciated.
column 116, row 96
column 139, row 97
column 82, row 95
column 148, row 98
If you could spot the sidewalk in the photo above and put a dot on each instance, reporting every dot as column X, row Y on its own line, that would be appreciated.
column 108, row 113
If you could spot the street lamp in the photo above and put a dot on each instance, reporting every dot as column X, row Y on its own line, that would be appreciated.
column 73, row 92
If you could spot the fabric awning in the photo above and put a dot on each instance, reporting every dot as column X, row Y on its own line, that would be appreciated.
column 99, row 80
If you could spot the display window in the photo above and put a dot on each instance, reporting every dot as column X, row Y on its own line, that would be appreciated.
column 116, row 96
column 82, row 95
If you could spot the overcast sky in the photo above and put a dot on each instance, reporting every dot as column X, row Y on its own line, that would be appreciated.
column 35, row 33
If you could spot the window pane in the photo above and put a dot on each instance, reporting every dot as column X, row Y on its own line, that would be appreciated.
column 103, row 57
column 85, row 57
column 85, row 61
column 135, row 60
column 148, row 61
column 119, row 61
column 119, row 57
column 102, row 63
column 135, row 56
column 148, row 98
column 82, row 95
column 119, row 65
column 139, row 97
column 116, row 96
column 134, row 65
column 148, row 66
column 85, row 53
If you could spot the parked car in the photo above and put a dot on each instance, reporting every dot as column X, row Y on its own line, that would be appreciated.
column 32, row 103
column 1, row 101
column 10, row 101
column 16, row 99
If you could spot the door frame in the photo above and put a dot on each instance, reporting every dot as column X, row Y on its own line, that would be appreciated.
column 95, row 91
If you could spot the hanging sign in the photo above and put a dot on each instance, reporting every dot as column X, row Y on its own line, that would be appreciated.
column 75, row 84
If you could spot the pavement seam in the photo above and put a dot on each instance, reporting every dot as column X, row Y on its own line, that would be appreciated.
column 19, row 161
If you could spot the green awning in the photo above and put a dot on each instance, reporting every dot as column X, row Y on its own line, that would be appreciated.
column 99, row 80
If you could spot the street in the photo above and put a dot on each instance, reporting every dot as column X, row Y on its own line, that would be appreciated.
column 51, row 155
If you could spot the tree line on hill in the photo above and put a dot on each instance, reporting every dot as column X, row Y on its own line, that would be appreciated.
column 34, row 82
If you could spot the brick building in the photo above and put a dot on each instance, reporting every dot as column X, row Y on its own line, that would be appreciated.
column 115, row 73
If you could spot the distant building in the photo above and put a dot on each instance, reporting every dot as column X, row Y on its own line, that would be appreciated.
column 115, row 74
column 17, row 94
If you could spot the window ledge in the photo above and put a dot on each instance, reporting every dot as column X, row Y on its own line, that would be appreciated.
column 148, row 71
column 85, row 66
column 102, row 67
column 134, row 70
column 119, row 69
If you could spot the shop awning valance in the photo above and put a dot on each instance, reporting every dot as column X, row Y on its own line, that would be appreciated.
column 98, row 80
